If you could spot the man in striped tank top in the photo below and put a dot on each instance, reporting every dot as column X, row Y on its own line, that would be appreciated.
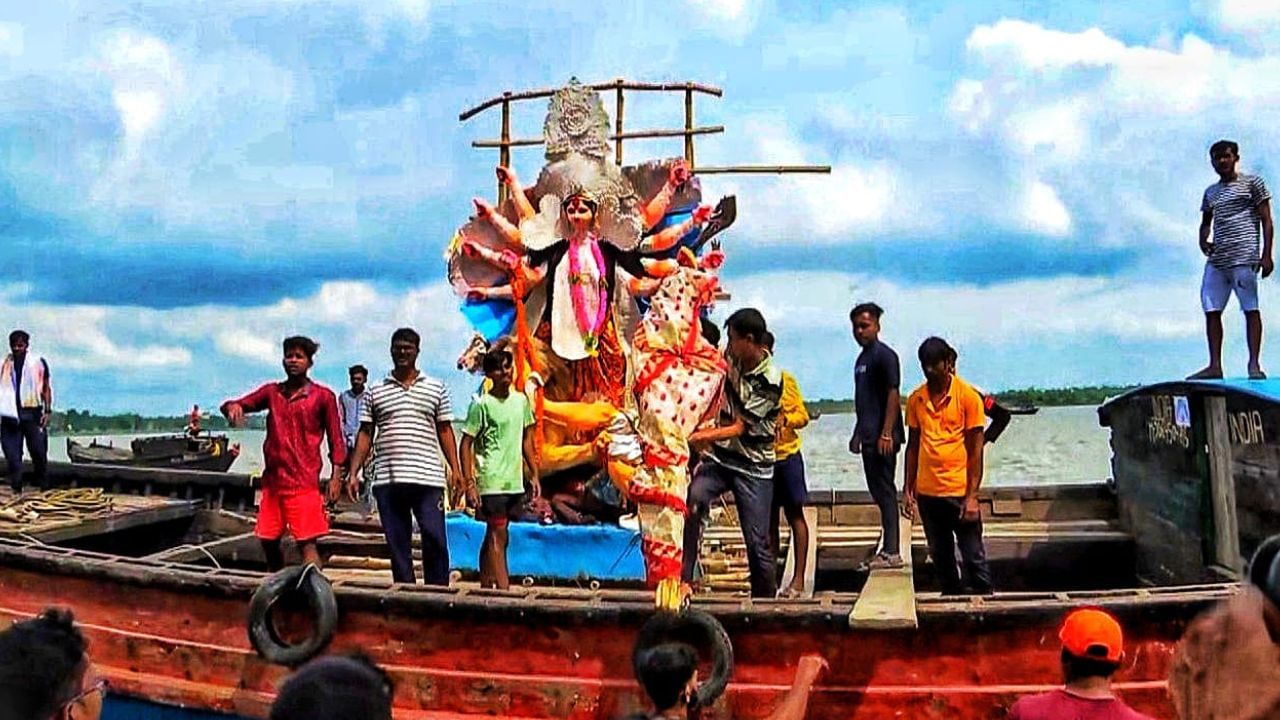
column 1233, row 209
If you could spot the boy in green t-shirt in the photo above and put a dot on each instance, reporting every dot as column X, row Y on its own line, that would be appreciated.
column 494, row 437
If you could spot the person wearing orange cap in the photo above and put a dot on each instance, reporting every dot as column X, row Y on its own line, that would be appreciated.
column 1092, row 648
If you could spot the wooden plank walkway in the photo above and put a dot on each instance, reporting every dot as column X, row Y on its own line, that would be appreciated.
column 888, row 600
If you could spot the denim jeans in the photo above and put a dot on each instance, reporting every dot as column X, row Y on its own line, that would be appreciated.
column 754, row 500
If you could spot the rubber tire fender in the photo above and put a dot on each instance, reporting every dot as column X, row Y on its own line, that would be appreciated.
column 709, row 633
column 324, row 608
column 1264, row 568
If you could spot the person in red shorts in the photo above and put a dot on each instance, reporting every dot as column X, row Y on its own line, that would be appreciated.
column 1092, row 648
column 300, row 413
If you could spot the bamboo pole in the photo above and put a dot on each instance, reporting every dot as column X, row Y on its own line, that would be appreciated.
column 686, row 133
column 500, row 143
column 612, row 84
column 763, row 169
column 633, row 135
column 688, row 124
column 617, row 123
column 504, row 152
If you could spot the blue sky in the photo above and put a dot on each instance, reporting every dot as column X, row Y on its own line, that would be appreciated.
column 183, row 184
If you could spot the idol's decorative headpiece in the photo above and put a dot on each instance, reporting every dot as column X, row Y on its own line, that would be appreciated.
column 583, row 193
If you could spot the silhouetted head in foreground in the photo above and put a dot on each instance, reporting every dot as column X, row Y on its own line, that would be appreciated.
column 668, row 674
column 335, row 688
column 45, row 672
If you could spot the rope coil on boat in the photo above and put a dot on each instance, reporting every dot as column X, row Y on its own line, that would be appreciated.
column 60, row 504
column 696, row 628
column 315, row 588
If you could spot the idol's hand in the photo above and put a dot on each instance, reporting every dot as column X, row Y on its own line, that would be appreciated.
column 678, row 174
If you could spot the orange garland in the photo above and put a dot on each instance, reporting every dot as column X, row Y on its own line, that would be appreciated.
column 524, row 352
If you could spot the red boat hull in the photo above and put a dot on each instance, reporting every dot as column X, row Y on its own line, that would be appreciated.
column 177, row 635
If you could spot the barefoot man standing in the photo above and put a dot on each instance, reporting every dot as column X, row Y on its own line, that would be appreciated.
column 1233, row 208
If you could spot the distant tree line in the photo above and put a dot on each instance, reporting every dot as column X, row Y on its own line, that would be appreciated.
column 1038, row 397
column 1056, row 397
column 84, row 421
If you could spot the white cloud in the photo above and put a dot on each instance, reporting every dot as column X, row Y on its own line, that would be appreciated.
column 820, row 208
column 722, row 10
column 1035, row 47
column 1019, row 312
column 730, row 19
column 1043, row 211
column 240, row 343
column 1072, row 113
column 1248, row 16
column 12, row 36
column 144, row 75
column 80, row 337
column 346, row 315
column 1055, row 128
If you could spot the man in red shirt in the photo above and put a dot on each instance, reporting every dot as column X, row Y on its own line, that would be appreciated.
column 1092, row 648
column 299, row 414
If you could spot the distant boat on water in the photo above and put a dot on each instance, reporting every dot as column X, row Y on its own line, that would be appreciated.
column 1023, row 410
column 178, row 451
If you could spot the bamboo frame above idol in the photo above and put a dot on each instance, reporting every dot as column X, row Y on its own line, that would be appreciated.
column 620, row 86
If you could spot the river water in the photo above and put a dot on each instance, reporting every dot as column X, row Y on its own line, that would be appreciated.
column 1055, row 446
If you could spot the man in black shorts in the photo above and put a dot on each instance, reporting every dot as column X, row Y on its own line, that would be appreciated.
column 497, row 446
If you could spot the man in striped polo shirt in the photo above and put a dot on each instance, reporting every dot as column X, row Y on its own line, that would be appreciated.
column 406, row 419
column 1233, row 208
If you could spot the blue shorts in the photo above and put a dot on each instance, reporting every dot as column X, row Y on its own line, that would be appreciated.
column 1219, row 283
column 789, row 487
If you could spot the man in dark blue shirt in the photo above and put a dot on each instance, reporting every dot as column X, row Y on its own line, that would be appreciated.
column 878, row 433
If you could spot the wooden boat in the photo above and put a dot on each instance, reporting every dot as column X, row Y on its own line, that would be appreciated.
column 201, row 452
column 1197, row 470
column 162, row 584
column 1023, row 410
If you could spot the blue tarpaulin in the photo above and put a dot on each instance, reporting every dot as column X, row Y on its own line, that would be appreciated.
column 564, row 552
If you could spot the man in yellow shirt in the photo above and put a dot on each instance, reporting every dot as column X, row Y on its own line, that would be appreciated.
column 944, row 469
column 790, row 491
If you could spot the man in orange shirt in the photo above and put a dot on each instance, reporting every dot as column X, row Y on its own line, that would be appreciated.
column 944, row 470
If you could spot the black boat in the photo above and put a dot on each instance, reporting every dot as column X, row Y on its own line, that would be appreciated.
column 185, row 452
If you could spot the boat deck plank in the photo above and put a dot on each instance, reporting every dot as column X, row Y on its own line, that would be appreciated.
column 888, row 600
column 127, row 511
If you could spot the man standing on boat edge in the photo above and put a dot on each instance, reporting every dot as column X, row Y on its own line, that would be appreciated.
column 26, row 402
column 407, row 420
column 300, row 413
column 944, row 470
column 1233, row 208
column 877, row 432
